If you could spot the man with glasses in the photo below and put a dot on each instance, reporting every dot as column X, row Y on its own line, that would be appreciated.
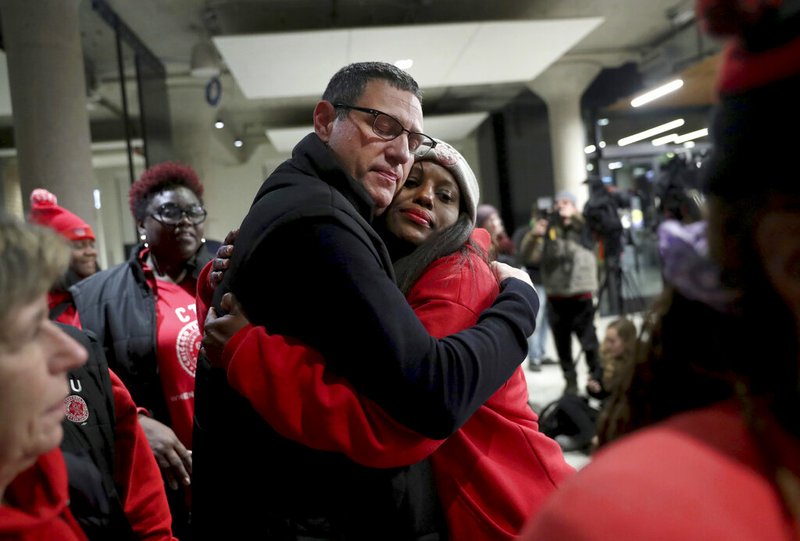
column 309, row 265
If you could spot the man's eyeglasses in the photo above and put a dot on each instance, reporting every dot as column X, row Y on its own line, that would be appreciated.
column 388, row 127
column 172, row 214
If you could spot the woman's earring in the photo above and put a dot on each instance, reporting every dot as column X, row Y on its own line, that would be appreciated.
column 202, row 240
column 143, row 238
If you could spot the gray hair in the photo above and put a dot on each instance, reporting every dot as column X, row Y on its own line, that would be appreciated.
column 32, row 258
column 348, row 84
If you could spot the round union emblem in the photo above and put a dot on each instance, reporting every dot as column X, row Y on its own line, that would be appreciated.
column 75, row 409
column 188, row 346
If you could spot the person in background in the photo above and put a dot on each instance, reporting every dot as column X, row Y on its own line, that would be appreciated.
column 83, row 261
column 144, row 312
column 314, row 213
column 494, row 471
column 35, row 356
column 525, row 241
column 101, row 420
column 572, row 419
column 564, row 248
column 616, row 352
column 727, row 446
column 502, row 248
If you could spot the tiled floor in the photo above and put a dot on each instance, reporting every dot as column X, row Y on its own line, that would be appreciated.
column 548, row 384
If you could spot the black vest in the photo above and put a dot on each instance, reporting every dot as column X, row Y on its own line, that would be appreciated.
column 88, row 445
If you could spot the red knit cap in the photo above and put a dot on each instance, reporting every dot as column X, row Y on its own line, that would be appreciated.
column 759, row 83
column 765, row 47
column 45, row 211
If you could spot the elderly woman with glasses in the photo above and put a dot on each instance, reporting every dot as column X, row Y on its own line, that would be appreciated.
column 144, row 313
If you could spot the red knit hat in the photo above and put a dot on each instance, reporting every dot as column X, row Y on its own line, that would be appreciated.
column 765, row 45
column 45, row 211
column 759, row 83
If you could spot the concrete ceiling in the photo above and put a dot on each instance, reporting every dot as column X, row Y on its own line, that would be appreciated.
column 486, row 52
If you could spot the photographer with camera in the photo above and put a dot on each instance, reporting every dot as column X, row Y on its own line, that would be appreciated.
column 602, row 217
column 564, row 248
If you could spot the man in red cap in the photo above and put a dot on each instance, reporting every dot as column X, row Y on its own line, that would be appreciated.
column 83, row 262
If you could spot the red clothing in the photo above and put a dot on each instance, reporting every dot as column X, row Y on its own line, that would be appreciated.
column 136, row 472
column 69, row 315
column 38, row 504
column 492, row 474
column 694, row 477
column 178, row 343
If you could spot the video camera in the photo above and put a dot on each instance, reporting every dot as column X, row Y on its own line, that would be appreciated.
column 545, row 209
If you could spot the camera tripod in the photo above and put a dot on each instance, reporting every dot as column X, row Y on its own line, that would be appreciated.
column 615, row 280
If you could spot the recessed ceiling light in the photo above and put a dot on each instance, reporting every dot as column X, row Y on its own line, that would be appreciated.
column 219, row 124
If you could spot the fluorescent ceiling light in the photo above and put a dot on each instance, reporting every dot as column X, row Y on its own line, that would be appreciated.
column 404, row 64
column 697, row 134
column 656, row 93
column 615, row 165
column 658, row 141
column 651, row 132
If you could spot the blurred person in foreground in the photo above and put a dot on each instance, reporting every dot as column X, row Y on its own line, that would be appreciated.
column 494, row 471
column 306, row 252
column 103, row 441
column 705, row 437
column 35, row 356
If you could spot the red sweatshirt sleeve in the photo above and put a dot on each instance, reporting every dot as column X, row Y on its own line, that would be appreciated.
column 203, row 296
column 136, row 472
column 285, row 381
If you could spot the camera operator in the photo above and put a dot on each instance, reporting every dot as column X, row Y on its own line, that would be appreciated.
column 602, row 216
column 564, row 247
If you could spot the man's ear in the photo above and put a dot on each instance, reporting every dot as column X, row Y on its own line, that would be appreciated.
column 778, row 240
column 324, row 115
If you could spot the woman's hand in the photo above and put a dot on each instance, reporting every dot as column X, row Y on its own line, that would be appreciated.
column 223, row 260
column 502, row 271
column 219, row 330
column 173, row 458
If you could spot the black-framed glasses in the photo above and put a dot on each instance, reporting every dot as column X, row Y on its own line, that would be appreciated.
column 172, row 214
column 388, row 127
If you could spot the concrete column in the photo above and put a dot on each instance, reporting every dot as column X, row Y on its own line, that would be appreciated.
column 561, row 87
column 192, row 123
column 48, row 95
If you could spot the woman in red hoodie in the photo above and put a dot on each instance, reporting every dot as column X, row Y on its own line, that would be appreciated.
column 35, row 357
column 496, row 469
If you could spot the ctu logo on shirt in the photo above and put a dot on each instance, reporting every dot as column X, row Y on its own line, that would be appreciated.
column 180, row 313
